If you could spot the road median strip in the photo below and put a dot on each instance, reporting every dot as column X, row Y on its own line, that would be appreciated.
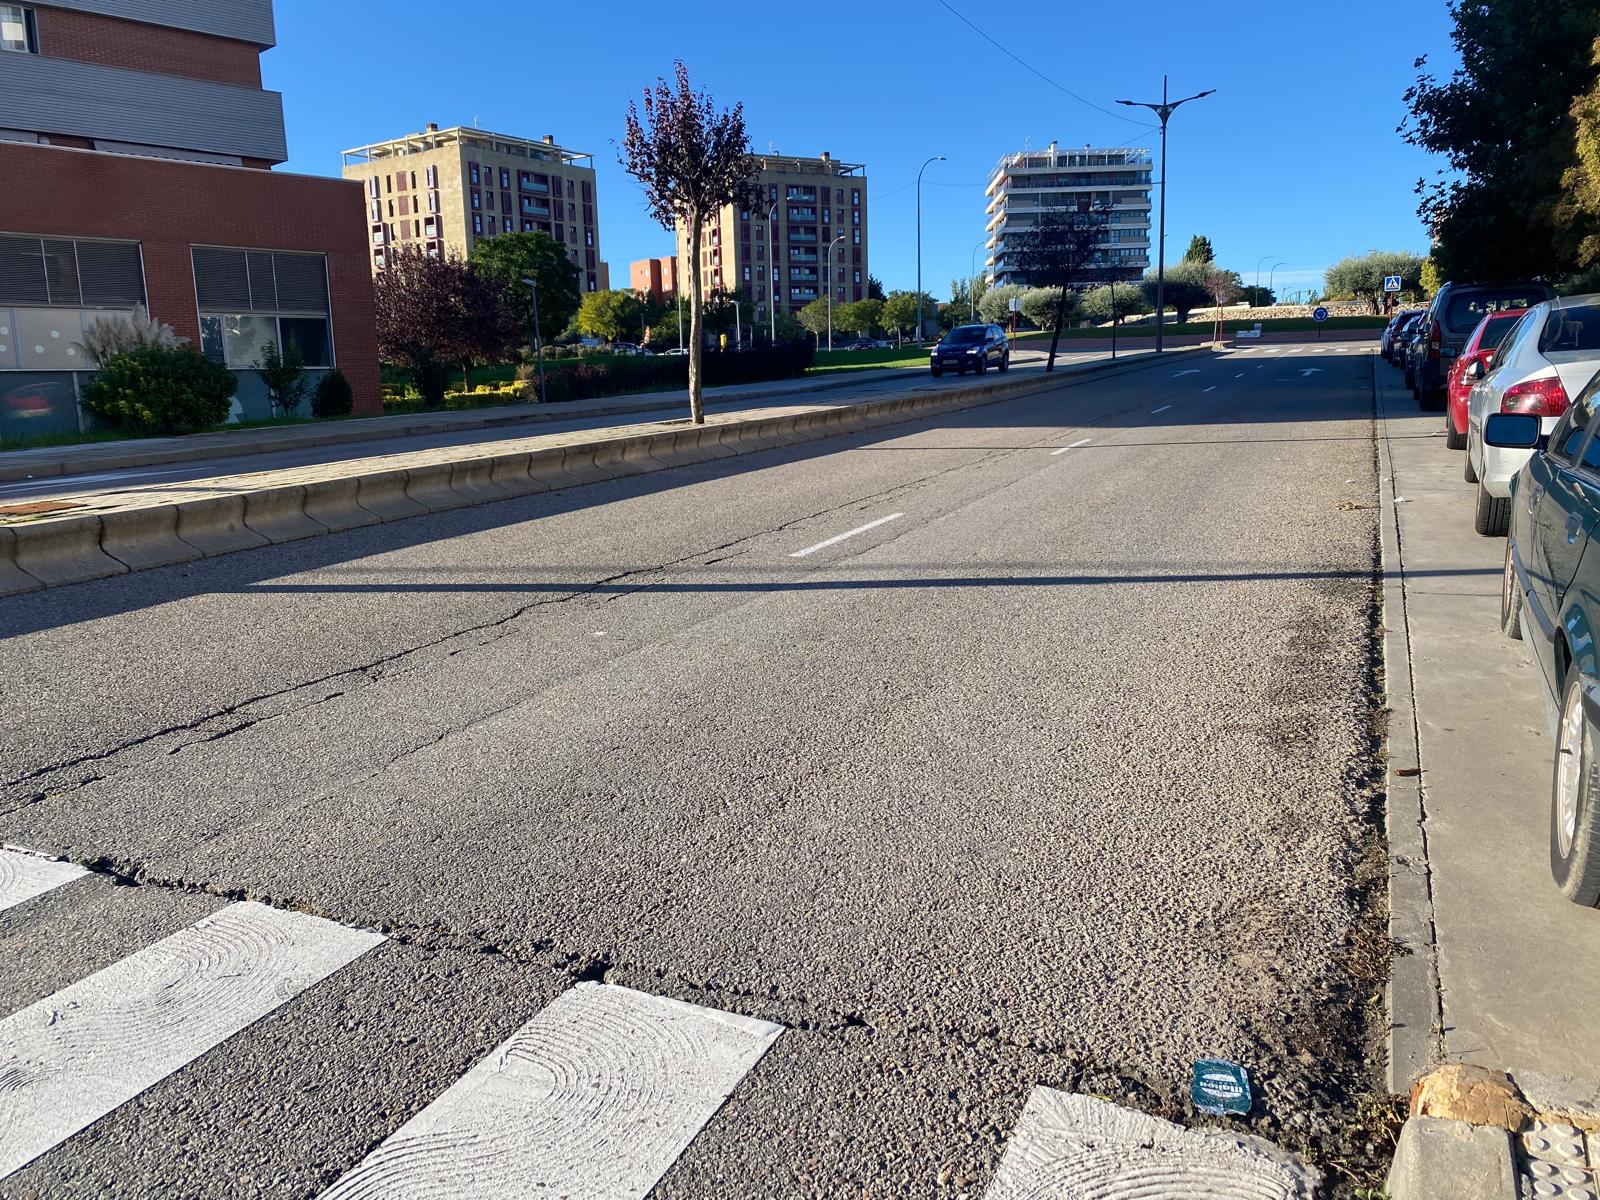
column 105, row 535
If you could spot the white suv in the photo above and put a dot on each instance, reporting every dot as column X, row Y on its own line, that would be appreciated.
column 1549, row 356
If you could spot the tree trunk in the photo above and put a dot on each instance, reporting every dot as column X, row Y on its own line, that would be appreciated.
column 1055, row 334
column 697, row 408
column 466, row 377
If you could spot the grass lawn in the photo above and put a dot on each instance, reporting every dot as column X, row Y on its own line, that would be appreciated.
column 831, row 362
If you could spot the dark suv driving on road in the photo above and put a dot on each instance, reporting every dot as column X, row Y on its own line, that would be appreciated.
column 1448, row 323
column 971, row 348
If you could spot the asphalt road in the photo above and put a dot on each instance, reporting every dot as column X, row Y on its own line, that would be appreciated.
column 133, row 479
column 1057, row 774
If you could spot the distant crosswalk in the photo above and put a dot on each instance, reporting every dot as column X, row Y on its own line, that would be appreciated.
column 598, row 1094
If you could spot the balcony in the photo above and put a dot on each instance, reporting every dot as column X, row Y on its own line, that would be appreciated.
column 802, row 214
column 809, row 239
column 532, row 209
column 805, row 256
column 802, row 293
column 809, row 195
column 806, row 274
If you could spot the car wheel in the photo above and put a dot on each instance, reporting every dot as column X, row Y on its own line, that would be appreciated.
column 1452, row 439
column 1005, row 363
column 981, row 365
column 1467, row 471
column 1510, row 599
column 1492, row 516
column 937, row 372
column 1574, row 820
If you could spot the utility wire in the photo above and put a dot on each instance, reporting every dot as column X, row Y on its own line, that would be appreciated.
column 1028, row 66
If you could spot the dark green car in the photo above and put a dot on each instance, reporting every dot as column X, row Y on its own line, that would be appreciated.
column 1550, row 598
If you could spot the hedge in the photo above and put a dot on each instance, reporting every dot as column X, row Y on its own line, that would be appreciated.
column 588, row 380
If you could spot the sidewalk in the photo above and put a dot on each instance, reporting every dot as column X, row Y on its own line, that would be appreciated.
column 143, row 452
column 1515, row 974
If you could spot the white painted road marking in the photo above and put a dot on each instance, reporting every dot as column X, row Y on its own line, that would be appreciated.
column 598, row 1095
column 73, row 1057
column 839, row 537
column 1190, row 371
column 1156, row 412
column 1212, row 388
column 24, row 876
column 1074, row 446
column 1240, row 375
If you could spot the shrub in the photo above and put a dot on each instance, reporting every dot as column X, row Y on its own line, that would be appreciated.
column 333, row 397
column 107, row 337
column 157, row 389
column 283, row 372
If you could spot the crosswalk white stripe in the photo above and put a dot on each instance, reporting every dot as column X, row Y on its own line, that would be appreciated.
column 73, row 1057
column 24, row 876
column 597, row 1096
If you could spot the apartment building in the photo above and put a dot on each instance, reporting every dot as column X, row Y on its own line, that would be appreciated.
column 655, row 277
column 136, row 155
column 1028, row 184
column 808, row 234
column 447, row 189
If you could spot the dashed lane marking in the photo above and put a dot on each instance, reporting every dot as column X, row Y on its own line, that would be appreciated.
column 1212, row 388
column 24, row 876
column 839, row 537
column 598, row 1095
column 75, row 1056
column 1074, row 446
column 1156, row 412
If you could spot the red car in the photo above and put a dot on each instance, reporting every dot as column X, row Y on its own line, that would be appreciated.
column 1483, row 342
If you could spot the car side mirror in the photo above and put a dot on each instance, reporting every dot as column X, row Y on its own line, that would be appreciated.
column 1475, row 369
column 1512, row 431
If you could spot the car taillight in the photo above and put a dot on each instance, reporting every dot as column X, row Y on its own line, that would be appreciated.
column 1435, row 339
column 1541, row 397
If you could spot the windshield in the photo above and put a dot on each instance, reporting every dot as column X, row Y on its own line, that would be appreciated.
column 1495, row 331
column 1468, row 308
column 966, row 335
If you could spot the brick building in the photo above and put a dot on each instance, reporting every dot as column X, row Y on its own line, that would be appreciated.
column 136, row 155
column 448, row 189
column 655, row 277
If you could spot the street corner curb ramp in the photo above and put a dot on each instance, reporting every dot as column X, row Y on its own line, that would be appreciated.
column 73, row 547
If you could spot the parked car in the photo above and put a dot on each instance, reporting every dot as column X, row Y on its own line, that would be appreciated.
column 1550, row 598
column 1551, row 354
column 971, row 348
column 675, row 351
column 629, row 348
column 1479, row 348
column 1405, row 349
column 1386, row 344
column 862, row 344
column 1450, row 319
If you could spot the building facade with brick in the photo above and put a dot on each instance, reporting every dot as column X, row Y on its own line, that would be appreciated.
column 655, row 277
column 808, row 234
column 445, row 190
column 136, row 155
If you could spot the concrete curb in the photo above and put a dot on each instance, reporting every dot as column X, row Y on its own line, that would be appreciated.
column 1439, row 1159
column 1415, row 1019
column 68, row 548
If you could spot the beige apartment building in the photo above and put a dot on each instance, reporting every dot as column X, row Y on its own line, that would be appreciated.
column 448, row 189
column 777, row 253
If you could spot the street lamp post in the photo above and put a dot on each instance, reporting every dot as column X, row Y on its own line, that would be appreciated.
column 680, row 318
column 924, row 167
column 1164, row 111
column 772, row 300
column 738, row 328
column 827, row 282
column 538, row 342
column 1259, row 261
column 1271, row 273
column 972, row 275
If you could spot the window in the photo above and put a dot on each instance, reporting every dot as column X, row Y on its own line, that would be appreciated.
column 1574, row 328
column 855, row 197
column 372, row 187
column 855, row 216
column 472, row 173
column 248, row 298
column 477, row 222
column 413, row 181
column 433, row 177
column 588, row 237
column 857, row 239
column 858, row 277
column 505, row 177
column 17, row 31
column 70, row 273
column 477, row 200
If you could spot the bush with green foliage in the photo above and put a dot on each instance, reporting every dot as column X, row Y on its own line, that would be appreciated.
column 159, row 389
column 333, row 397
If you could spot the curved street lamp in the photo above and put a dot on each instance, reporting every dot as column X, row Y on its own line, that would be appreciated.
column 924, row 167
column 972, row 274
column 1259, row 261
column 1164, row 110
column 772, row 300
column 1273, row 272
column 827, row 282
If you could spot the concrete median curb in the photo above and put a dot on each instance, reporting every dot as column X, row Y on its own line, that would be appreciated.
column 74, row 548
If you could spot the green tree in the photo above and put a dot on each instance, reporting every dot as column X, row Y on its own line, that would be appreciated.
column 863, row 316
column 1361, row 276
column 512, row 257
column 1199, row 250
column 965, row 295
column 1185, row 288
column 614, row 316
column 900, row 310
column 995, row 307
column 1428, row 278
column 1042, row 306
column 1097, row 302
column 723, row 318
column 814, row 317
column 875, row 288
column 1257, row 297
column 692, row 161
column 1578, row 211
column 1503, row 122
column 788, row 328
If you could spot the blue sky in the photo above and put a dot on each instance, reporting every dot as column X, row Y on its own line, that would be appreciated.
column 1294, row 157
